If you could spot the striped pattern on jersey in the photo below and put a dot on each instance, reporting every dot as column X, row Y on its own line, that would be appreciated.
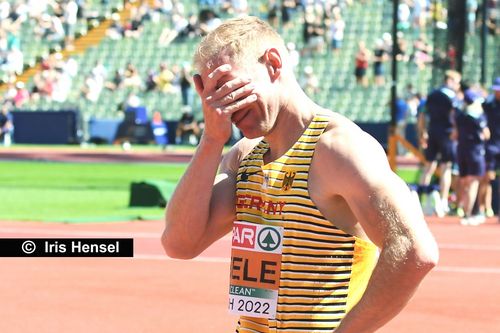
column 324, row 271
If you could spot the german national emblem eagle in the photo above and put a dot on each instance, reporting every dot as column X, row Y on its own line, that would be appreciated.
column 288, row 180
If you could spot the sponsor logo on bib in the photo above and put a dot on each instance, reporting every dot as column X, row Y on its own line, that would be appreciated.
column 255, row 269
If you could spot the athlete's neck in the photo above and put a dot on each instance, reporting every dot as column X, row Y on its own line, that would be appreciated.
column 291, row 122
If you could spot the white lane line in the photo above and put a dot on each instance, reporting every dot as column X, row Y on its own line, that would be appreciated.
column 463, row 269
column 77, row 233
column 478, row 247
column 226, row 260
column 161, row 257
column 154, row 235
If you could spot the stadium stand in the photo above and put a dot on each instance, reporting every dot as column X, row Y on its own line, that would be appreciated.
column 150, row 34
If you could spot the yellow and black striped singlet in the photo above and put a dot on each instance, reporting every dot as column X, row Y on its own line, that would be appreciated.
column 324, row 271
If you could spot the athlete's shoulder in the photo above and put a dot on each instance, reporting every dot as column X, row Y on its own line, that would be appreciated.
column 346, row 157
column 345, row 142
column 232, row 159
column 341, row 130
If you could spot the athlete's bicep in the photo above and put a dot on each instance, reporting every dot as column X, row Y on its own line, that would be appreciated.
column 380, row 201
column 384, row 208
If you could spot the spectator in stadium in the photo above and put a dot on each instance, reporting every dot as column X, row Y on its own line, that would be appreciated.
column 272, row 13
column 401, row 49
column 188, row 130
column 70, row 18
column 413, row 99
column 471, row 8
column 239, row 7
column 309, row 81
column 4, row 10
column 176, row 82
column 186, row 82
column 70, row 66
column 388, row 42
column 472, row 131
column 11, row 56
column 165, row 78
column 18, row 12
column 314, row 29
column 182, row 28
column 362, row 61
column 287, row 9
column 99, row 70
column 419, row 14
column 492, row 21
column 116, row 81
column 62, row 84
column 208, row 21
column 131, row 77
column 116, row 30
column 6, row 124
column 92, row 86
column 191, row 29
column 50, row 28
column 421, row 52
column 50, row 61
column 379, row 59
column 10, row 92
column 135, row 24
column 292, row 144
column 402, row 115
column 294, row 55
column 209, row 3
column 492, row 110
column 451, row 57
column 150, row 83
column 43, row 85
column 160, row 130
column 438, row 136
column 337, row 28
column 404, row 15
column 22, row 95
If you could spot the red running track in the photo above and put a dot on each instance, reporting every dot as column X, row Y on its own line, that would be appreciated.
column 151, row 293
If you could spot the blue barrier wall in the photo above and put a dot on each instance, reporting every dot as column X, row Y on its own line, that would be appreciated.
column 380, row 131
column 47, row 127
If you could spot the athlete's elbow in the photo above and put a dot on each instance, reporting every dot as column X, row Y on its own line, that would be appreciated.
column 175, row 249
column 427, row 257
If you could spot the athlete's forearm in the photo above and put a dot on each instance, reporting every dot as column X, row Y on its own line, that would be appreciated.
column 188, row 210
column 391, row 286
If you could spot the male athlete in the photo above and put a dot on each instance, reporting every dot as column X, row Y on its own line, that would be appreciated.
column 325, row 236
column 438, row 136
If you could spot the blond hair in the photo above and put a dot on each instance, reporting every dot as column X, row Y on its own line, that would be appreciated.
column 242, row 40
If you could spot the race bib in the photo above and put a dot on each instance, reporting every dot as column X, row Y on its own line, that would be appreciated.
column 255, row 269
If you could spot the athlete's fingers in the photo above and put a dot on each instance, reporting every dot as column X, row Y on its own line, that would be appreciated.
column 238, row 105
column 198, row 84
column 215, row 76
column 231, row 85
column 231, row 91
column 237, row 94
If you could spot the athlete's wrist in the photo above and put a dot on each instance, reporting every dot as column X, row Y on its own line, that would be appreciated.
column 211, row 142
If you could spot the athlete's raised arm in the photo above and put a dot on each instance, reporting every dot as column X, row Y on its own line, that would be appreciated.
column 201, row 209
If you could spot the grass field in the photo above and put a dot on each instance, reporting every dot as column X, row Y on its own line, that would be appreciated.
column 84, row 192
column 77, row 192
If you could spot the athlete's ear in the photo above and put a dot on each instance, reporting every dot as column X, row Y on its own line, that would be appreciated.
column 273, row 61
